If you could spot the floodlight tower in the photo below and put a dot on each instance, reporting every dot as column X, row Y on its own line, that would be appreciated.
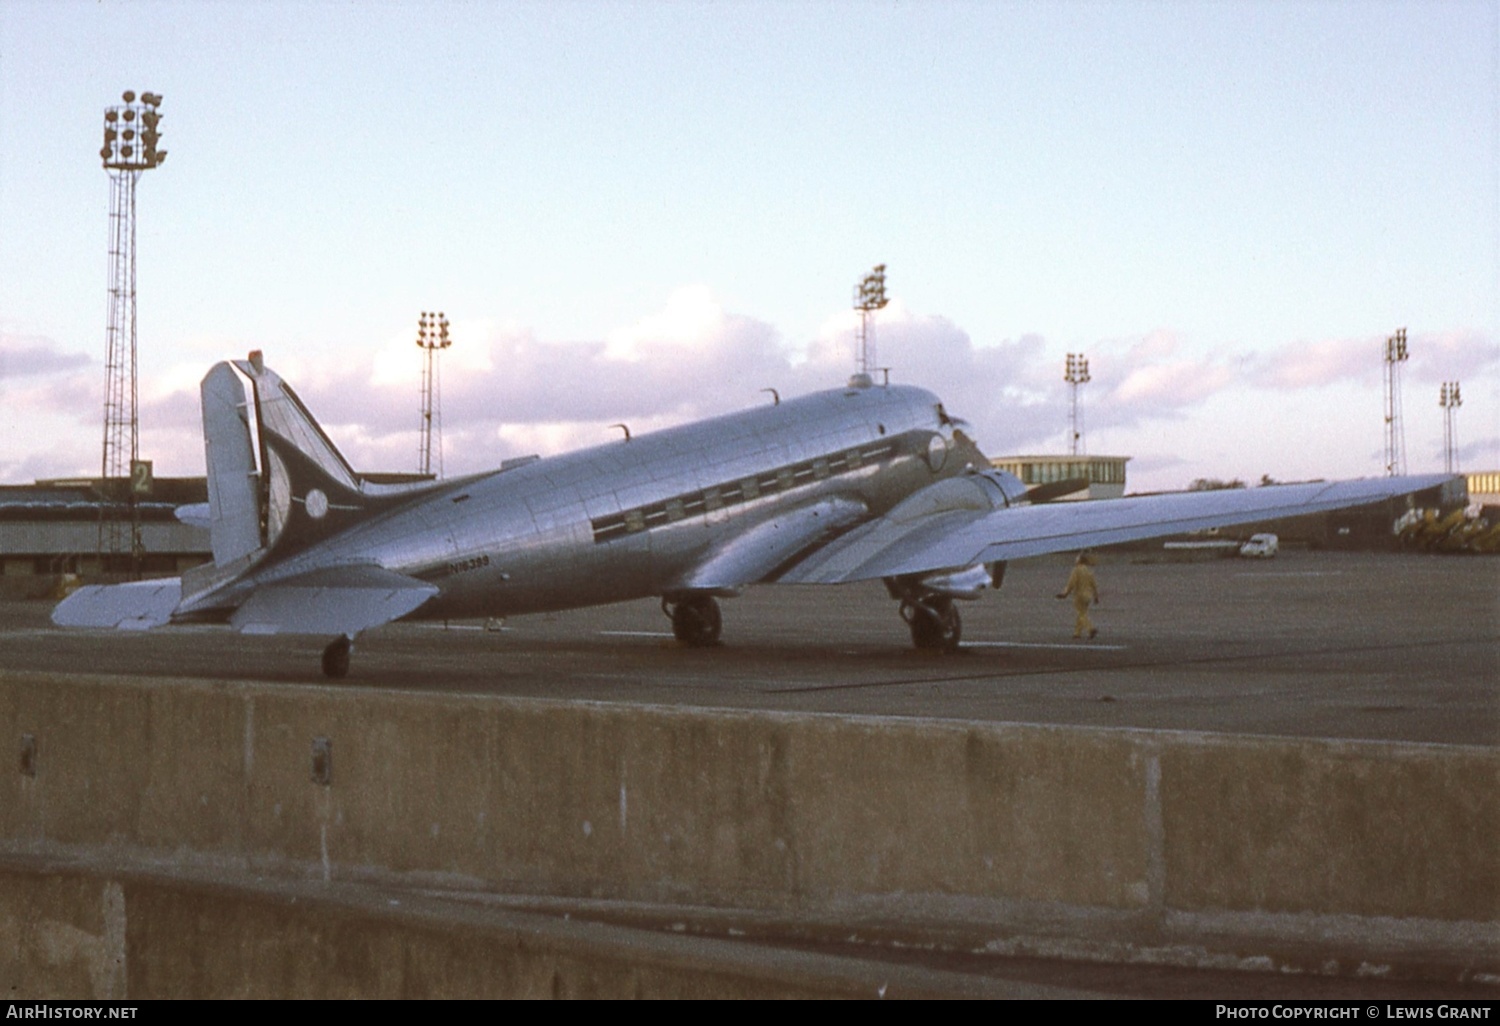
column 1450, row 400
column 1077, row 373
column 869, row 296
column 130, row 147
column 1395, row 437
column 432, row 337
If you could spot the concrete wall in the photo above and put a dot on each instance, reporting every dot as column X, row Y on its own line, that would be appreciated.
column 1003, row 826
column 71, row 932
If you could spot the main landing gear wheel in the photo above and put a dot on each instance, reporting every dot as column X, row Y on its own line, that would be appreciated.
column 934, row 622
column 336, row 657
column 696, row 621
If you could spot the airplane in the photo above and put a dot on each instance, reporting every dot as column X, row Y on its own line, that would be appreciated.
column 859, row 483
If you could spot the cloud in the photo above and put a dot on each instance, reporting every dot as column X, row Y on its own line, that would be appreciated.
column 1317, row 364
column 1438, row 356
column 36, row 357
column 1148, row 378
column 1169, row 386
column 510, row 393
column 506, row 392
column 1452, row 356
column 75, row 396
column 173, row 410
column 1481, row 453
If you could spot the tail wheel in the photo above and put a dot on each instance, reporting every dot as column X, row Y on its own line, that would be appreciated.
column 336, row 657
column 696, row 621
column 935, row 623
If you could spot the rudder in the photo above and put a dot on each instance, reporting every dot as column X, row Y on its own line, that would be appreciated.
column 268, row 461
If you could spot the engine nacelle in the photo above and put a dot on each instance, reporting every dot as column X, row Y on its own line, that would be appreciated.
column 978, row 492
column 968, row 583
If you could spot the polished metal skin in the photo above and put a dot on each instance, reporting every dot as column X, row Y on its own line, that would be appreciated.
column 687, row 509
column 851, row 484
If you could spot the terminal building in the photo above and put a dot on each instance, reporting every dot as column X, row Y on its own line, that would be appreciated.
column 1484, row 491
column 1098, row 477
column 52, row 528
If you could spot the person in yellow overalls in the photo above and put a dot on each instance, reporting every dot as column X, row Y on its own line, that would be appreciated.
column 1085, row 592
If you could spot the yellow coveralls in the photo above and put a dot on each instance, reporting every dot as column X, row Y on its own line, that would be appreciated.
column 1085, row 592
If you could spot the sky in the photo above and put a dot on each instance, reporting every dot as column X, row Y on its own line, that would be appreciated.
column 649, row 212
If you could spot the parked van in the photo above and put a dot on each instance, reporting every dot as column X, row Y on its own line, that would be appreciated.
column 1260, row 546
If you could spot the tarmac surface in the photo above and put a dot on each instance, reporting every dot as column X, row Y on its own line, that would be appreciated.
column 1375, row 646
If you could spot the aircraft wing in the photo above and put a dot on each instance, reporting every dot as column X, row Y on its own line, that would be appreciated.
column 332, row 600
column 914, row 540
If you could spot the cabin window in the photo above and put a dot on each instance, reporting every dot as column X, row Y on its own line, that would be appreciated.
column 750, row 488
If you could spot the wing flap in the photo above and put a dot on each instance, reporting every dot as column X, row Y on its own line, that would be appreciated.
column 960, row 538
column 333, row 600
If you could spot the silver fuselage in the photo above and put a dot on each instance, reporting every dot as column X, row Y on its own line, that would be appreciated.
column 633, row 518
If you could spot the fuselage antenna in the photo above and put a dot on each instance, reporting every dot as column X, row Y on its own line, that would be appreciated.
column 625, row 428
column 775, row 396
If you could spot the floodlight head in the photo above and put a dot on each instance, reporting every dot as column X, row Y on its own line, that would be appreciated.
column 128, row 96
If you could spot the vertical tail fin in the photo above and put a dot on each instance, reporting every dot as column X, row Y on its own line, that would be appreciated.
column 272, row 472
column 231, row 445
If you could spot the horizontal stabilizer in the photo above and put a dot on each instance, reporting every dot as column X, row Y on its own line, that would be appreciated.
column 198, row 514
column 136, row 606
column 333, row 600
